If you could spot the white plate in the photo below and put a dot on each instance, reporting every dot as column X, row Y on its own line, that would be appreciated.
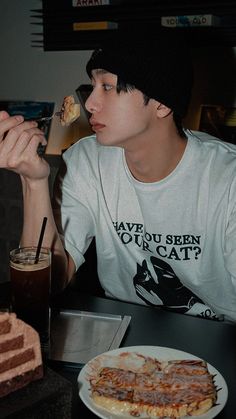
column 162, row 353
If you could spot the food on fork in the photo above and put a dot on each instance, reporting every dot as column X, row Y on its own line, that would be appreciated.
column 20, row 354
column 175, row 389
column 70, row 111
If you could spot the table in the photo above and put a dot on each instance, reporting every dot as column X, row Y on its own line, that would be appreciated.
column 213, row 341
column 210, row 340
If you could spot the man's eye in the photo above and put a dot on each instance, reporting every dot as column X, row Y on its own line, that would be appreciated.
column 107, row 87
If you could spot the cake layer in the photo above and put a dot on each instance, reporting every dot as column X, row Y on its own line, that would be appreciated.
column 14, row 337
column 25, row 355
column 11, row 342
column 20, row 357
column 20, row 381
column 19, row 370
column 5, row 322
column 5, row 326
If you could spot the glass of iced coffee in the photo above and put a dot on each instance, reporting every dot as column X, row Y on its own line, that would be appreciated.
column 30, row 274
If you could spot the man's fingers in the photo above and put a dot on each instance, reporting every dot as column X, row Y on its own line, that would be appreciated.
column 3, row 115
column 13, row 128
column 8, row 122
column 19, row 141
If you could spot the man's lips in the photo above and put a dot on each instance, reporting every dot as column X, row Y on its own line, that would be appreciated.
column 96, row 126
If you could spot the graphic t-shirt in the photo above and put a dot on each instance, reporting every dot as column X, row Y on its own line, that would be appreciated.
column 170, row 243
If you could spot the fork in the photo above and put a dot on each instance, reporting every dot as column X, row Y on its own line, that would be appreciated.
column 47, row 118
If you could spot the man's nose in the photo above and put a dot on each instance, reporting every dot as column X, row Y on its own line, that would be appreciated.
column 92, row 103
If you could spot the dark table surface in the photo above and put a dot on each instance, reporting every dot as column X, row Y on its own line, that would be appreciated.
column 210, row 340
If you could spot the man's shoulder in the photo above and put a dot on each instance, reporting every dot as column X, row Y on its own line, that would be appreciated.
column 81, row 151
column 84, row 143
column 215, row 157
column 89, row 145
column 208, row 140
column 208, row 145
column 87, row 152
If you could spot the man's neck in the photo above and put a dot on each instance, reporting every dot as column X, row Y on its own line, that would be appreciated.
column 157, row 159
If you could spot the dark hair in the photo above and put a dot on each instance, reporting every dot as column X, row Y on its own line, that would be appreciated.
column 126, row 87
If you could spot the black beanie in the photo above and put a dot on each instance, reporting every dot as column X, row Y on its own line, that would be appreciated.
column 160, row 67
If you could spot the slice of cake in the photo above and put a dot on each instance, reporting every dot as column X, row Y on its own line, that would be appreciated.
column 20, row 354
column 70, row 111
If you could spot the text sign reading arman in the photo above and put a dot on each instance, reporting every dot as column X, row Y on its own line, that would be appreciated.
column 85, row 3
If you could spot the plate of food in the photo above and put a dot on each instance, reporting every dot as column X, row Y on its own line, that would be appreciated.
column 151, row 382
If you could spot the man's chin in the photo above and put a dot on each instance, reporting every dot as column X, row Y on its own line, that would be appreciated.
column 109, row 141
column 103, row 140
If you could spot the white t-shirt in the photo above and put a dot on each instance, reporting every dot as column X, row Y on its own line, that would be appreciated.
column 170, row 243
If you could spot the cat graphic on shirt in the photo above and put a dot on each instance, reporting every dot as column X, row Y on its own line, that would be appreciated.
column 166, row 289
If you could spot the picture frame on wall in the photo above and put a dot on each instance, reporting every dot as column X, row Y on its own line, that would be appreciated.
column 219, row 121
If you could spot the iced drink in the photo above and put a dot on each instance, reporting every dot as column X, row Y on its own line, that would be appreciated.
column 30, row 282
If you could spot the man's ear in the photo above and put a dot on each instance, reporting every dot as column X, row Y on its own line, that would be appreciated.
column 162, row 110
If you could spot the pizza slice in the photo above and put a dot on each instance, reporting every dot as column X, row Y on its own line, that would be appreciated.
column 176, row 389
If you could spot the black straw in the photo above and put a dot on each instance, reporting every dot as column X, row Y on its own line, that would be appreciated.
column 40, row 239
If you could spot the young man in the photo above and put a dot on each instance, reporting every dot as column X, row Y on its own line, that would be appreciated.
column 159, row 200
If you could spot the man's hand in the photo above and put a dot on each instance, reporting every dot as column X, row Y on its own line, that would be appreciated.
column 19, row 141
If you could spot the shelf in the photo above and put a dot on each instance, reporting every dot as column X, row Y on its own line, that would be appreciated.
column 57, row 21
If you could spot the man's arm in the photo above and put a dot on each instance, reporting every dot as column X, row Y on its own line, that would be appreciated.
column 19, row 141
column 37, row 205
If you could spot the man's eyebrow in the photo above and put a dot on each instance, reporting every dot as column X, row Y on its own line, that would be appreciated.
column 100, row 71
column 97, row 72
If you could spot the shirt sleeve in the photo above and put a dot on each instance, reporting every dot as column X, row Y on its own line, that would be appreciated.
column 72, row 203
column 230, row 238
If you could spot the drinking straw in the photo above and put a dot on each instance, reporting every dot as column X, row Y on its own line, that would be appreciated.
column 40, row 239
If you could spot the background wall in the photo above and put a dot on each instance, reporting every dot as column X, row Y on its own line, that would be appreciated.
column 28, row 73
column 215, row 80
